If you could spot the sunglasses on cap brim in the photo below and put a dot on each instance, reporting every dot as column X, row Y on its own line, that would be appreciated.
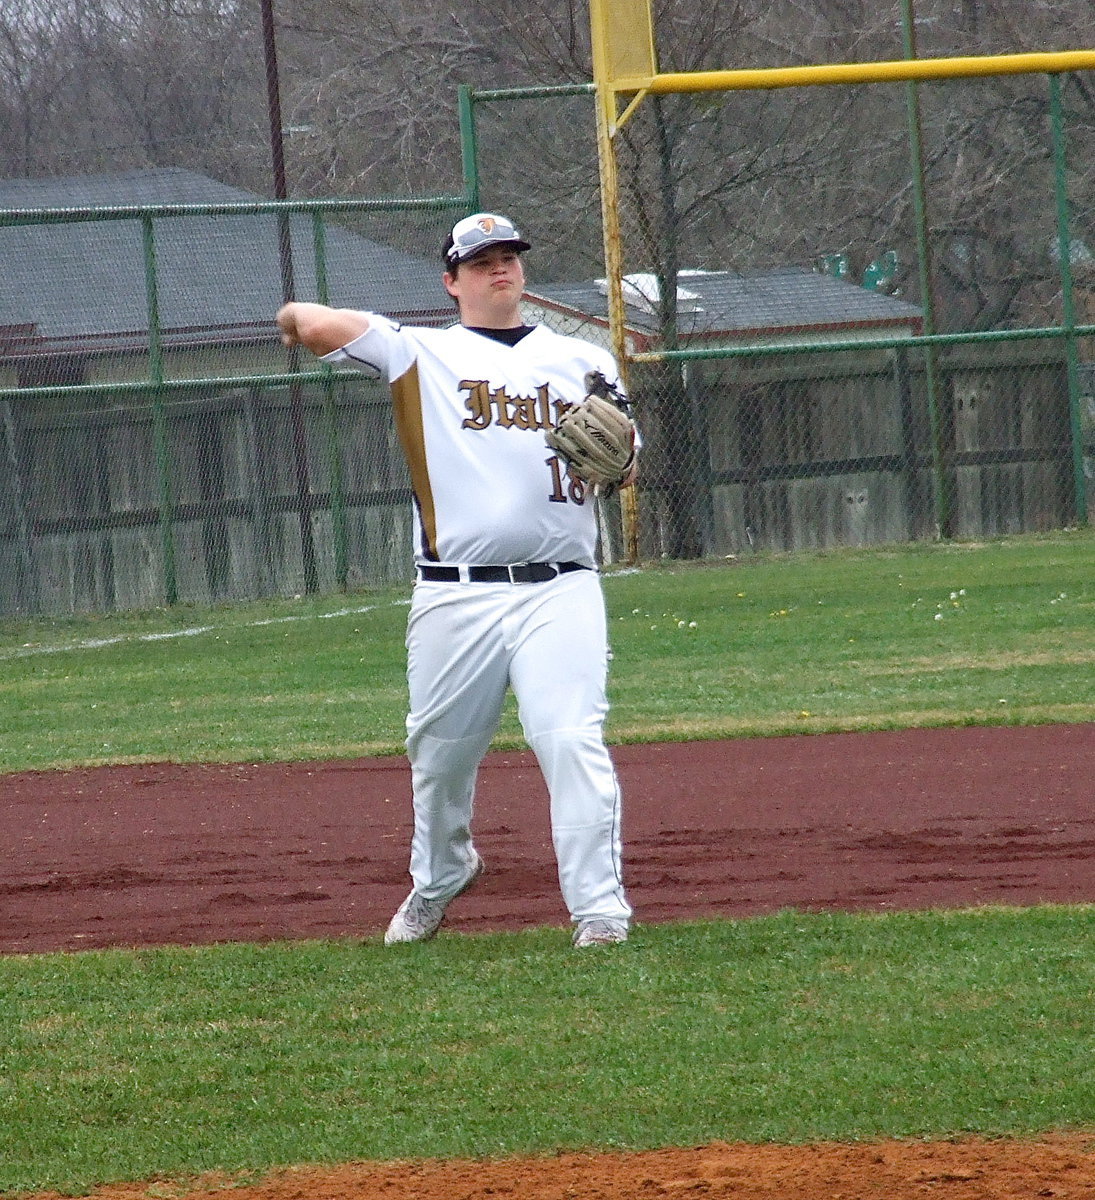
column 474, row 239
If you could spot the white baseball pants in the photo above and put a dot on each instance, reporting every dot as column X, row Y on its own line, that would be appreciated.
column 466, row 642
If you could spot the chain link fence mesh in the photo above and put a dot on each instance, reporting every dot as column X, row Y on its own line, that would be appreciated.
column 159, row 444
column 781, row 302
column 814, row 360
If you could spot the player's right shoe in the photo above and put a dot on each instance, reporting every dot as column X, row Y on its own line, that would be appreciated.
column 418, row 919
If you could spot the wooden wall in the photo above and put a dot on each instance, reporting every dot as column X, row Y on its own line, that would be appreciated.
column 776, row 453
column 807, row 451
column 81, row 485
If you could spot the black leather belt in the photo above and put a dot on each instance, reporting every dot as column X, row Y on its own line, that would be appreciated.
column 515, row 573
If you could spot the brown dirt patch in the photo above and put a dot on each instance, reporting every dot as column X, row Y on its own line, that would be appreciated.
column 971, row 1169
column 160, row 854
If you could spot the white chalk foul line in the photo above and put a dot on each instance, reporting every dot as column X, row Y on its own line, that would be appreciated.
column 194, row 631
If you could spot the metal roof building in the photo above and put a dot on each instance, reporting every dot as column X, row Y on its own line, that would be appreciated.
column 81, row 285
column 762, row 307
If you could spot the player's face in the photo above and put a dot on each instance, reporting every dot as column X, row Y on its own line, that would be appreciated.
column 488, row 287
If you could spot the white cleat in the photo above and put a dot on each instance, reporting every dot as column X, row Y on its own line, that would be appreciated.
column 418, row 919
column 599, row 931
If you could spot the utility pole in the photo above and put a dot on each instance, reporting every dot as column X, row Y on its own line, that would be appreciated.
column 288, row 290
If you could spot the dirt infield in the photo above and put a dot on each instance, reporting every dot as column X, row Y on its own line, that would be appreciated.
column 129, row 856
column 148, row 855
column 1061, row 1165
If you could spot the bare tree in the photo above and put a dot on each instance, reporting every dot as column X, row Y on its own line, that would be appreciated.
column 375, row 112
column 182, row 76
column 41, row 63
column 90, row 85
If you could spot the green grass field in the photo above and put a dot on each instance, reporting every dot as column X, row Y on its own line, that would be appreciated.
column 131, row 1064
column 789, row 1028
column 932, row 635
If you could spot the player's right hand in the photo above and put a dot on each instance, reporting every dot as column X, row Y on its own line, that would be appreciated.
column 287, row 324
column 317, row 327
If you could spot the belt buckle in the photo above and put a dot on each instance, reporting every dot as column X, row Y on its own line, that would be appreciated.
column 529, row 572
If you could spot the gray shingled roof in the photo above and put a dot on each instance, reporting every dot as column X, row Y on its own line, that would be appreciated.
column 87, row 279
column 784, row 300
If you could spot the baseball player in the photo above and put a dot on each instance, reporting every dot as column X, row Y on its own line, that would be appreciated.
column 507, row 593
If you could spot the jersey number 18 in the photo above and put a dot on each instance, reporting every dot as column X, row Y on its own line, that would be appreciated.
column 564, row 487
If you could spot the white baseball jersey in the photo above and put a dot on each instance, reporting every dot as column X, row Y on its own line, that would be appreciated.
column 471, row 413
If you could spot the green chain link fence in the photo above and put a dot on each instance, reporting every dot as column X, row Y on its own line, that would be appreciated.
column 853, row 319
column 159, row 445
column 855, row 315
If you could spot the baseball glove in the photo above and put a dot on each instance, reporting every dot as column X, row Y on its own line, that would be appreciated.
column 596, row 440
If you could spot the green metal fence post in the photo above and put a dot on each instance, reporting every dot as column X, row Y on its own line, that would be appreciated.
column 159, row 412
column 23, row 523
column 334, row 449
column 1068, row 304
column 469, row 153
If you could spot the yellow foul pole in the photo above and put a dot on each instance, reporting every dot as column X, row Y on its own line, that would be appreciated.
column 623, row 45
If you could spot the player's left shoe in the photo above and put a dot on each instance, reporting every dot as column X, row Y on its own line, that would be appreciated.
column 418, row 919
column 599, row 931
